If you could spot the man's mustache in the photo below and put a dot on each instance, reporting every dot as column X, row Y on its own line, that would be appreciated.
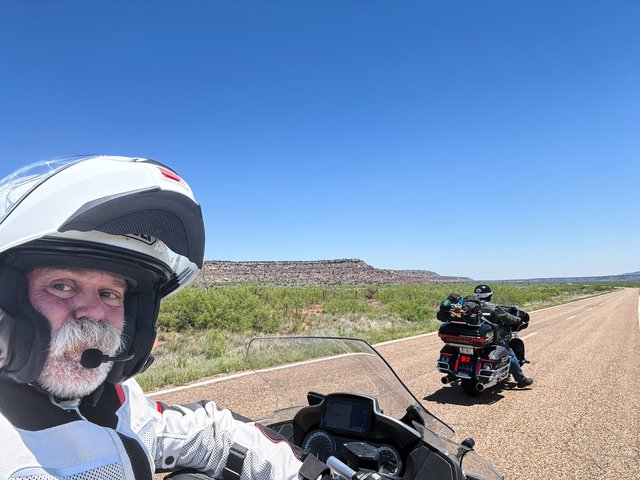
column 79, row 334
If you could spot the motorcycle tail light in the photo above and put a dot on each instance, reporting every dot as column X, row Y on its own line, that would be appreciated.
column 465, row 358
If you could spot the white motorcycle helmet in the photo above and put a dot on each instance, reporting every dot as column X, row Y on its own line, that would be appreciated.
column 129, row 216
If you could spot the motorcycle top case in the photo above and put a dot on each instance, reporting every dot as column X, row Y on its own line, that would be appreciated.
column 468, row 335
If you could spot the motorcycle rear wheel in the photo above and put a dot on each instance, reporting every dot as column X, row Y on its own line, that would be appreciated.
column 469, row 387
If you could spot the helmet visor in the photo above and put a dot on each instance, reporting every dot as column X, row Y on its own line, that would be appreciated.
column 17, row 185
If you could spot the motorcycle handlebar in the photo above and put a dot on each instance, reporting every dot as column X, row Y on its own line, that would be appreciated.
column 341, row 469
column 345, row 472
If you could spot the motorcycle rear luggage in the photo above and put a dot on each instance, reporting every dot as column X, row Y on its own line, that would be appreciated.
column 467, row 335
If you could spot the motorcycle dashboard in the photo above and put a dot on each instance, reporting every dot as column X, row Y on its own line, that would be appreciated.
column 354, row 416
column 346, row 413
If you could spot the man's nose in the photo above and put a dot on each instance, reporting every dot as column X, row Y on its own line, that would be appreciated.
column 89, row 304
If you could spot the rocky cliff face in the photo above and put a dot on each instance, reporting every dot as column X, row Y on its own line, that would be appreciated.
column 317, row 272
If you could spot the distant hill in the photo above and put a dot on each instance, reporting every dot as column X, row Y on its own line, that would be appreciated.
column 316, row 272
column 625, row 277
column 347, row 272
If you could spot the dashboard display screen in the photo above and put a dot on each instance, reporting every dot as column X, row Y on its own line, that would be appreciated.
column 352, row 415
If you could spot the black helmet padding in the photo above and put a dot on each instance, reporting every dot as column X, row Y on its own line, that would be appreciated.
column 141, row 310
column 26, row 333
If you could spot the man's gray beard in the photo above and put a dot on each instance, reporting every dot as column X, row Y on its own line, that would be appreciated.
column 63, row 375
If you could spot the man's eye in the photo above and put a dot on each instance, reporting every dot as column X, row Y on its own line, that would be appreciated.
column 61, row 287
column 110, row 295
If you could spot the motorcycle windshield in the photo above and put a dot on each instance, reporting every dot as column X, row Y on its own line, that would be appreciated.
column 295, row 366
column 291, row 367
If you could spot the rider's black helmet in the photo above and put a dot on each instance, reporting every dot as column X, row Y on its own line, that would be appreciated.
column 483, row 292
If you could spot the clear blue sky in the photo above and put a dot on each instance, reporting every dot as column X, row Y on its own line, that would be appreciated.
column 492, row 139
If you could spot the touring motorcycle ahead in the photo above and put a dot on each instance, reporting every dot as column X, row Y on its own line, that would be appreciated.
column 339, row 400
column 472, row 355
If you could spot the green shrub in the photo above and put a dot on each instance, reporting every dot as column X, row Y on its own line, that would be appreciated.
column 189, row 308
column 215, row 345
column 234, row 309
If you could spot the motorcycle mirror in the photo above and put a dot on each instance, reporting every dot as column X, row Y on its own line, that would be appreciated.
column 469, row 443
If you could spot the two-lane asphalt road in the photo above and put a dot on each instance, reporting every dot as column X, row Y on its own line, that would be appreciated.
column 581, row 419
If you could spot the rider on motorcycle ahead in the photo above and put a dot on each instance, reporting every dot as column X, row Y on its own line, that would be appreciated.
column 506, row 323
column 89, row 247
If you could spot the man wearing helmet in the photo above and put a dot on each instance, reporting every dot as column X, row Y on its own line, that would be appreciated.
column 88, row 248
column 506, row 322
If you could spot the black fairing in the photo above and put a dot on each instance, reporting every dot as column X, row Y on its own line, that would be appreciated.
column 423, row 463
column 517, row 345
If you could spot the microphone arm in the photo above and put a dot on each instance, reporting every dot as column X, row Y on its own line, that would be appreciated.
column 93, row 358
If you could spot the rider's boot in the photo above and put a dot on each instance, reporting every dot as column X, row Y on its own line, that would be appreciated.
column 525, row 382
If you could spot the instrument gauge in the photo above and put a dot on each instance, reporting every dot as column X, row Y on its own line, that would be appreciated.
column 389, row 459
column 320, row 444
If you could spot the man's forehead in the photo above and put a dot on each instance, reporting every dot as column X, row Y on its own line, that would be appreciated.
column 46, row 272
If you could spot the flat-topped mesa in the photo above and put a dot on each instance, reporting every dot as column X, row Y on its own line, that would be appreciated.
column 312, row 272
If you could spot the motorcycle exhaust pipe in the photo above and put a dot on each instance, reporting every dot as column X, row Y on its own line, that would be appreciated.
column 447, row 379
column 481, row 387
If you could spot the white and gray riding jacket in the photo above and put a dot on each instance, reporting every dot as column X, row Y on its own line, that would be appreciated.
column 125, row 435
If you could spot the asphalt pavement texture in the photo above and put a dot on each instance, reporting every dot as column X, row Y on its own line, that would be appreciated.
column 580, row 419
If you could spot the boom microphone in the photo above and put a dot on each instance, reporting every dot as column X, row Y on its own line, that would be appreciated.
column 93, row 358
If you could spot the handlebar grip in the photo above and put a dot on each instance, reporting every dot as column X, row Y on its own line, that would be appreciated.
column 340, row 468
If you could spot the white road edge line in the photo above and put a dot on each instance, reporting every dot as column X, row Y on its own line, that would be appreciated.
column 572, row 316
column 403, row 339
column 199, row 384
column 243, row 374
